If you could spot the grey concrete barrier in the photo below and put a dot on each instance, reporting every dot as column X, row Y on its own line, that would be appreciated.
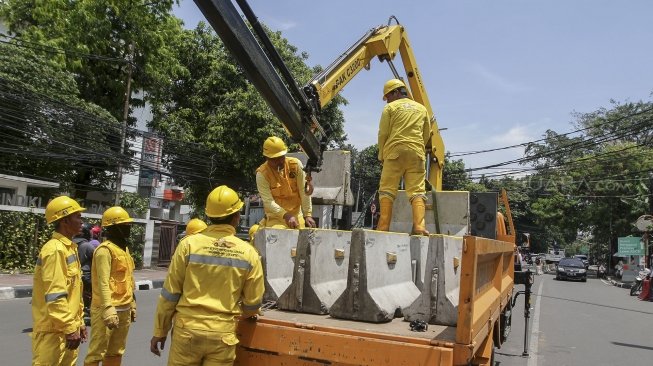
column 320, row 271
column 277, row 248
column 379, row 277
column 438, row 259
column 452, row 213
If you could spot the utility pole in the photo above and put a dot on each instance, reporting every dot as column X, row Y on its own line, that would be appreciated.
column 125, row 116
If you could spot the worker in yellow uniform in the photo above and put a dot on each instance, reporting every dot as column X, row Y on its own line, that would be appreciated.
column 214, row 278
column 195, row 226
column 281, row 183
column 113, row 307
column 57, row 306
column 404, row 131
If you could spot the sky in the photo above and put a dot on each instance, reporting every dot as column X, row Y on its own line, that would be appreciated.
column 497, row 72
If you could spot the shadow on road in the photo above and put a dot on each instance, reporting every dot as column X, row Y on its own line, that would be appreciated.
column 632, row 346
column 591, row 303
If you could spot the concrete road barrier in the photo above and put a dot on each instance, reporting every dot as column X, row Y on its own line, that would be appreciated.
column 438, row 278
column 320, row 272
column 277, row 249
column 452, row 213
column 379, row 277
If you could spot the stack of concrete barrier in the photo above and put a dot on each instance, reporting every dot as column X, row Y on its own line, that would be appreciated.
column 438, row 259
column 277, row 248
column 320, row 271
column 379, row 278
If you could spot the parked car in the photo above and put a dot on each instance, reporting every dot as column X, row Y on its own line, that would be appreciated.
column 583, row 258
column 571, row 269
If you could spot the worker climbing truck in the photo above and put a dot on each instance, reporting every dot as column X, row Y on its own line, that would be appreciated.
column 366, row 297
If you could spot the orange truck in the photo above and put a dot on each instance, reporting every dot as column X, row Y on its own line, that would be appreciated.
column 486, row 288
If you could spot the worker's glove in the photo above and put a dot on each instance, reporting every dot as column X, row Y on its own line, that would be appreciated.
column 110, row 317
column 133, row 311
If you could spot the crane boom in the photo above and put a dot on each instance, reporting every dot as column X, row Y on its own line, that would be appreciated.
column 286, row 100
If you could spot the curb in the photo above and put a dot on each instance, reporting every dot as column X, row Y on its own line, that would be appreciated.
column 621, row 284
column 17, row 292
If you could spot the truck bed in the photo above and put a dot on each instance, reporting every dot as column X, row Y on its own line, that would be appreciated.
column 397, row 327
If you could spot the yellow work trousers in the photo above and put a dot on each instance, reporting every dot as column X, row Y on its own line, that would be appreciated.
column 49, row 349
column 193, row 347
column 105, row 342
column 277, row 222
column 404, row 163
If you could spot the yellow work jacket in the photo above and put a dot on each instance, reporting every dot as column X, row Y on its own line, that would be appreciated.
column 57, row 289
column 404, row 125
column 283, row 191
column 112, row 277
column 213, row 278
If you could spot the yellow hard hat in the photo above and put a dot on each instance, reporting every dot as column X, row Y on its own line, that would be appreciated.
column 115, row 215
column 195, row 226
column 222, row 201
column 61, row 207
column 273, row 147
column 252, row 230
column 391, row 85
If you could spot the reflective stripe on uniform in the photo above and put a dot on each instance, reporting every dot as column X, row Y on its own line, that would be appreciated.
column 251, row 307
column 219, row 261
column 55, row 296
column 170, row 297
column 71, row 258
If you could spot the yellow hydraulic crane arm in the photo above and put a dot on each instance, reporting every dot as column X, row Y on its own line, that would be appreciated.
column 383, row 42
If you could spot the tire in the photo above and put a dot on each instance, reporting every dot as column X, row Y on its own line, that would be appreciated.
column 584, row 280
column 635, row 289
column 557, row 278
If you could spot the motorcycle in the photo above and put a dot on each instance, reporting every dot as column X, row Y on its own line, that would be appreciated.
column 636, row 288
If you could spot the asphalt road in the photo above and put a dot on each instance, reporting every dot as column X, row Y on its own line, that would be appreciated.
column 573, row 323
column 576, row 323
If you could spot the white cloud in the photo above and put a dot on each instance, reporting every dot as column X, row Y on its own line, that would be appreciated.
column 495, row 80
column 515, row 135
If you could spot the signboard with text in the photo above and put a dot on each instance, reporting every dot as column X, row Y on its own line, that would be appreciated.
column 630, row 245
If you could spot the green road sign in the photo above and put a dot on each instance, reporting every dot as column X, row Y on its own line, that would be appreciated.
column 631, row 245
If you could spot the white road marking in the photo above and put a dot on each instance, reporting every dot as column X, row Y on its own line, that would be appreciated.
column 535, row 330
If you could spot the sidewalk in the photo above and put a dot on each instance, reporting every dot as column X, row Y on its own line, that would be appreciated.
column 20, row 285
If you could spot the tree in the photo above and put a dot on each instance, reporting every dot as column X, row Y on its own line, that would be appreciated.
column 211, row 106
column 93, row 40
column 47, row 130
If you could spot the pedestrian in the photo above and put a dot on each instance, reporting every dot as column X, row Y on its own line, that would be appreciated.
column 281, row 183
column 113, row 307
column 85, row 250
column 96, row 233
column 57, row 309
column 213, row 279
column 404, row 131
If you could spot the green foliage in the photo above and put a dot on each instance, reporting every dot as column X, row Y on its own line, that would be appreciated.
column 218, row 120
column 21, row 237
column 92, row 39
column 39, row 108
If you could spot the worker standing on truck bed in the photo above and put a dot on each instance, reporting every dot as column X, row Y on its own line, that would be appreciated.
column 57, row 307
column 281, row 184
column 404, row 131
column 213, row 279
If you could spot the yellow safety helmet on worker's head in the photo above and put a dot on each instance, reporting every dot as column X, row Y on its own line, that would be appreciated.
column 61, row 207
column 222, row 201
column 115, row 215
column 273, row 147
column 391, row 85
column 195, row 226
